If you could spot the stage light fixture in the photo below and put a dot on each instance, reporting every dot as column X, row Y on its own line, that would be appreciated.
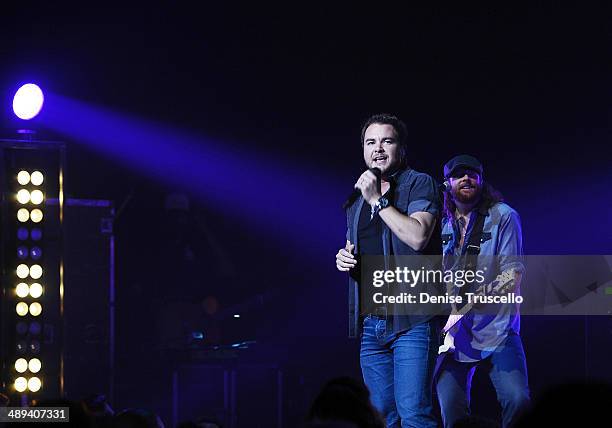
column 36, row 253
column 36, row 215
column 37, row 197
column 35, row 328
column 21, row 384
column 28, row 101
column 37, row 178
column 36, row 271
column 36, row 290
column 36, row 234
column 23, row 196
column 22, row 233
column 21, row 365
column 22, row 309
column 34, row 347
column 35, row 309
column 34, row 384
column 22, row 290
column 22, row 328
column 22, row 252
column 22, row 271
column 34, row 365
column 23, row 177
column 23, row 215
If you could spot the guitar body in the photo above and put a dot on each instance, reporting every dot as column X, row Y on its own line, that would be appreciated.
column 501, row 285
column 448, row 345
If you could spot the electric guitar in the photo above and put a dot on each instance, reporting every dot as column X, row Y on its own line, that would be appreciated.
column 503, row 283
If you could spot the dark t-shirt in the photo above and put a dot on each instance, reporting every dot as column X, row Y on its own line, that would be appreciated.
column 370, row 233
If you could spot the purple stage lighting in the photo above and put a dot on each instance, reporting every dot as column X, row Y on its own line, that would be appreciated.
column 28, row 101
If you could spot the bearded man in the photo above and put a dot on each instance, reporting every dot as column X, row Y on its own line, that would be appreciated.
column 480, row 229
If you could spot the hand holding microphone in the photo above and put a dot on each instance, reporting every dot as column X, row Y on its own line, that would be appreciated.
column 367, row 185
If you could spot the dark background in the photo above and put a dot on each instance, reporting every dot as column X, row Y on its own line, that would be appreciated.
column 527, row 90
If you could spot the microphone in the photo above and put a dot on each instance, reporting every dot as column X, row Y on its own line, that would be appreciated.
column 356, row 192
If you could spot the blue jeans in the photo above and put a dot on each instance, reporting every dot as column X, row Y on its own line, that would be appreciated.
column 507, row 370
column 398, row 370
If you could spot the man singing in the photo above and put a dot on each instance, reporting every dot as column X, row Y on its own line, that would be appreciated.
column 395, row 216
column 477, row 225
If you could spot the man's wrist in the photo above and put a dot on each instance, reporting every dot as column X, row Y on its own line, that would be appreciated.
column 380, row 204
column 374, row 201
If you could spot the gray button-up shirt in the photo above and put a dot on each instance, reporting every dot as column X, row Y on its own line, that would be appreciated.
column 482, row 330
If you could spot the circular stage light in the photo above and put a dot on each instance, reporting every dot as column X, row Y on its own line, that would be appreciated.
column 35, row 309
column 36, row 253
column 34, row 384
column 36, row 234
column 23, row 177
column 22, row 327
column 34, row 365
column 22, row 252
column 21, row 365
column 36, row 197
column 35, row 328
column 23, row 196
column 37, row 178
column 22, row 309
column 35, row 347
column 23, row 215
column 36, row 290
column 23, row 271
column 22, row 289
column 36, row 215
column 21, row 384
column 22, row 234
column 28, row 101
column 36, row 271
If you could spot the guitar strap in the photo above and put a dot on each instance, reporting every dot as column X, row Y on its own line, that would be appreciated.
column 473, row 245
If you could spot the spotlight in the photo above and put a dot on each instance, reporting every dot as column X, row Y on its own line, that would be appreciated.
column 21, row 384
column 36, row 271
column 28, row 101
column 36, row 215
column 23, row 215
column 22, row 309
column 23, row 196
column 22, row 252
column 36, row 253
column 35, row 328
column 23, row 233
column 36, row 234
column 36, row 290
column 21, row 346
column 23, row 177
column 21, row 365
column 22, row 328
column 36, row 197
column 35, row 309
column 35, row 346
column 22, row 271
column 34, row 384
column 34, row 365
column 37, row 178
column 22, row 290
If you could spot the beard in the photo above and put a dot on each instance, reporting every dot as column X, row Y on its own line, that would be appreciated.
column 467, row 199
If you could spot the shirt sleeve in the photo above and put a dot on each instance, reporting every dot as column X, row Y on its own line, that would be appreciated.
column 424, row 196
column 510, row 250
